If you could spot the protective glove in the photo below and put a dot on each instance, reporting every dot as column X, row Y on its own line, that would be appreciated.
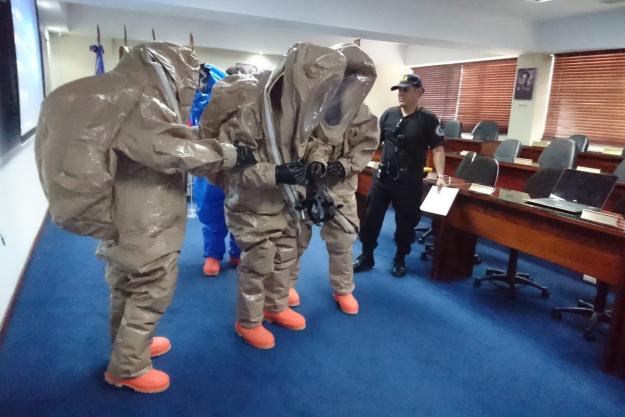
column 315, row 170
column 336, row 169
column 291, row 173
column 245, row 156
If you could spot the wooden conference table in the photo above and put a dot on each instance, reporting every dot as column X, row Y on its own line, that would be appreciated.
column 605, row 162
column 582, row 246
column 515, row 176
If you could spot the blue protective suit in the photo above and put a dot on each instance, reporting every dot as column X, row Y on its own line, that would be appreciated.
column 208, row 198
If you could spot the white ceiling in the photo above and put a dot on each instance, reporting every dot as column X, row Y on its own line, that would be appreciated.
column 424, row 31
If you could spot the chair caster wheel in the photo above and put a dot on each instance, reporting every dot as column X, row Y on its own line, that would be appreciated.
column 556, row 315
column 545, row 294
column 589, row 335
column 477, row 283
column 424, row 256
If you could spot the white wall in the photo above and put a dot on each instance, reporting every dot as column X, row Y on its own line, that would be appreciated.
column 71, row 59
column 528, row 117
column 22, row 209
column 388, row 59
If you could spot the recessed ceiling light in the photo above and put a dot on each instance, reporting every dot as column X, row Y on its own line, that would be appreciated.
column 538, row 1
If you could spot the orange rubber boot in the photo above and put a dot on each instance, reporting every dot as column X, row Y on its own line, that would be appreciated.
column 294, row 300
column 286, row 318
column 159, row 346
column 151, row 382
column 258, row 336
column 234, row 262
column 347, row 303
column 211, row 267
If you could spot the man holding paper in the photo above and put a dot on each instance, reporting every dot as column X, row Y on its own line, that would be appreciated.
column 406, row 134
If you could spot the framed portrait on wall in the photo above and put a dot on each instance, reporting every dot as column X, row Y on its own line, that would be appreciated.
column 524, row 86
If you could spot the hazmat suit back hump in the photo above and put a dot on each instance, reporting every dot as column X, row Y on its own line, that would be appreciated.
column 112, row 153
column 274, row 113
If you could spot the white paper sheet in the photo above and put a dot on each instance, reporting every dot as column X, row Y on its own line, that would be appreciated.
column 439, row 202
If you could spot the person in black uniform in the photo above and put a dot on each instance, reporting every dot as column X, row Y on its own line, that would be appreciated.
column 406, row 134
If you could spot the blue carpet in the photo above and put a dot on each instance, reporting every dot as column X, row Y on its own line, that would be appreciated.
column 417, row 348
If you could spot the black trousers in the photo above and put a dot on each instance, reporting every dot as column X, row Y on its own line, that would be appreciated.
column 405, row 194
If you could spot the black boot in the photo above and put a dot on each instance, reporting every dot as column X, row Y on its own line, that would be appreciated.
column 364, row 262
column 399, row 267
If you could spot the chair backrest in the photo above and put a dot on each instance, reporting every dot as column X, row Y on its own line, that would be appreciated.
column 483, row 170
column 581, row 142
column 452, row 129
column 560, row 153
column 468, row 158
column 623, row 152
column 542, row 182
column 486, row 130
column 507, row 150
column 619, row 171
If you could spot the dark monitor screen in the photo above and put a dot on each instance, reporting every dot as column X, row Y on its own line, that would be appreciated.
column 9, row 91
column 584, row 187
column 21, row 78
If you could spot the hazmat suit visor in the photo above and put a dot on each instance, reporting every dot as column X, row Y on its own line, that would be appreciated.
column 180, row 65
column 298, row 92
column 360, row 75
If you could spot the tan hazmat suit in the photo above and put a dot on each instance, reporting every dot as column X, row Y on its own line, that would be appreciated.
column 352, row 133
column 112, row 156
column 274, row 113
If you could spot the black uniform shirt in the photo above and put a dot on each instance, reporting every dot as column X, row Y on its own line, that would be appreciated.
column 421, row 131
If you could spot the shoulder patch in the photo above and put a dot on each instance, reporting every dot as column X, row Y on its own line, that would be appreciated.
column 439, row 130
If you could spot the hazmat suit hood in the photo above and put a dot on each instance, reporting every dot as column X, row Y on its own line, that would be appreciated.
column 360, row 74
column 176, row 70
column 296, row 96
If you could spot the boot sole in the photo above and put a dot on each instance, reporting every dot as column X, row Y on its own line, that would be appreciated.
column 284, row 325
column 350, row 313
column 363, row 269
column 137, row 389
column 263, row 347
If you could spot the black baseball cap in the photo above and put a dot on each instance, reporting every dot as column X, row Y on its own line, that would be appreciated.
column 408, row 80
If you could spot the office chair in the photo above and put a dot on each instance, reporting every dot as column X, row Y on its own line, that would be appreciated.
column 581, row 142
column 483, row 170
column 619, row 171
column 507, row 150
column 596, row 311
column 427, row 232
column 485, row 130
column 539, row 185
column 452, row 129
column 560, row 153
column 623, row 152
